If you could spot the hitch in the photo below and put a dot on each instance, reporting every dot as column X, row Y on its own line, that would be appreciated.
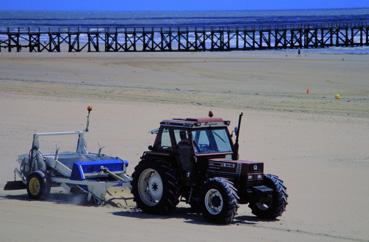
column 112, row 174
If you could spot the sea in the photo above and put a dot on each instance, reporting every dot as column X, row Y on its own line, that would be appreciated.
column 255, row 19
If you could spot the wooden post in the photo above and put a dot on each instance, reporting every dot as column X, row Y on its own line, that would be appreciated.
column 179, row 38
column 237, row 39
column 322, row 38
column 352, row 37
column 134, row 39
column 152, row 39
column 161, row 40
column 316, row 39
column 331, row 36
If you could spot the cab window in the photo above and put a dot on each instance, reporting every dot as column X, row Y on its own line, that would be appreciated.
column 165, row 141
column 211, row 141
column 180, row 134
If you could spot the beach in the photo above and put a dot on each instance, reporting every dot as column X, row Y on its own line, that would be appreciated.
column 306, row 118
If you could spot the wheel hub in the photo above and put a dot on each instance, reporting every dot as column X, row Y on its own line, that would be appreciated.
column 265, row 203
column 34, row 186
column 213, row 201
column 216, row 201
column 154, row 187
column 150, row 187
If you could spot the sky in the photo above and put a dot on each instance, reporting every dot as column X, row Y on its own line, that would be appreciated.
column 162, row 5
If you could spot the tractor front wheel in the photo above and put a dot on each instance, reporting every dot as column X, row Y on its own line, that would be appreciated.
column 275, row 203
column 219, row 201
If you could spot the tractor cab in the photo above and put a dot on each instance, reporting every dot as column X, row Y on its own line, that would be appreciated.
column 205, row 136
column 190, row 143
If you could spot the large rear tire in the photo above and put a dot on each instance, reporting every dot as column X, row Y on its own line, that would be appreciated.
column 155, row 187
column 38, row 187
column 219, row 201
column 273, row 206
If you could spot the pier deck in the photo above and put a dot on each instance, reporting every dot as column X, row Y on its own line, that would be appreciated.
column 181, row 39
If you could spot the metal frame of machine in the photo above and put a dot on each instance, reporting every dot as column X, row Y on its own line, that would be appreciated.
column 78, row 171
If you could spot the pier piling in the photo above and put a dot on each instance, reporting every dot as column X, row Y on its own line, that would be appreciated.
column 181, row 39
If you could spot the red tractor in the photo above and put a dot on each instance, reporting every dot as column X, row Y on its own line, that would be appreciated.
column 196, row 159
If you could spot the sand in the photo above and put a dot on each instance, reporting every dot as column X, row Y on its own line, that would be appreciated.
column 317, row 144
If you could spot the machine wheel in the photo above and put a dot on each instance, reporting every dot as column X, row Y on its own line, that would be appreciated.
column 38, row 187
column 275, row 204
column 155, row 187
column 219, row 201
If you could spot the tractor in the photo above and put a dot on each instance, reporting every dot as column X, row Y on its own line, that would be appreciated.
column 196, row 160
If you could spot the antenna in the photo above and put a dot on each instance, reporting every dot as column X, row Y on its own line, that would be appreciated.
column 89, row 109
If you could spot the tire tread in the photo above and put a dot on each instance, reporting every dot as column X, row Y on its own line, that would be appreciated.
column 279, row 202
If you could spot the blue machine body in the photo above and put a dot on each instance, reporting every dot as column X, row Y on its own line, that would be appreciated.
column 81, row 169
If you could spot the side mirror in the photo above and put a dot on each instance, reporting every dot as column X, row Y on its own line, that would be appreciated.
column 150, row 147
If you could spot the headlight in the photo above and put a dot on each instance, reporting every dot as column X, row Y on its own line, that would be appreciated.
column 255, row 177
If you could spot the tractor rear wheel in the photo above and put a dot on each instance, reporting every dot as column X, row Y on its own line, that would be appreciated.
column 155, row 187
column 219, row 201
column 275, row 204
column 38, row 187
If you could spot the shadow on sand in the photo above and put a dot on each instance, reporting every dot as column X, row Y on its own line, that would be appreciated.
column 58, row 198
column 188, row 216
column 185, row 213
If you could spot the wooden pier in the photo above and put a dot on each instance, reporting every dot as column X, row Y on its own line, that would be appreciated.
column 182, row 39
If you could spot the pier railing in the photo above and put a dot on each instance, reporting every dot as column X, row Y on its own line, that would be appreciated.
column 124, row 39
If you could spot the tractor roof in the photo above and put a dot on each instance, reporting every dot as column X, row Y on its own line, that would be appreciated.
column 195, row 122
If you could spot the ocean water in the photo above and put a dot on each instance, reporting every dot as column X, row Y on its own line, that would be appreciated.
column 208, row 19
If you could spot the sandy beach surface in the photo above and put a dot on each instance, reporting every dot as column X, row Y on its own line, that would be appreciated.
column 316, row 143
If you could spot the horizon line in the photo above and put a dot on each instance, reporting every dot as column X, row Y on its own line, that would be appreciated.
column 177, row 10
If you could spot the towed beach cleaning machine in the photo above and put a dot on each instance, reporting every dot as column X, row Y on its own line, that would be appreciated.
column 77, row 171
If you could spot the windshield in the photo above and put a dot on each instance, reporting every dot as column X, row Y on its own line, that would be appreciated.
column 211, row 141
